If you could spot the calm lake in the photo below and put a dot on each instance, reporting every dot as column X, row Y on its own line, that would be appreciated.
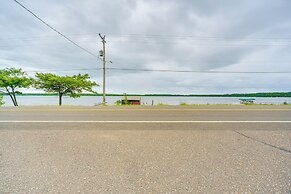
column 93, row 100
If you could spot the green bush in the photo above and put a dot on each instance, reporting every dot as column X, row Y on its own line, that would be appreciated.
column 183, row 104
column 1, row 100
column 285, row 103
column 162, row 104
column 118, row 102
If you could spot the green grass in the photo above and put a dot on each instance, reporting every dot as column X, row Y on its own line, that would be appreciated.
column 162, row 104
column 208, row 104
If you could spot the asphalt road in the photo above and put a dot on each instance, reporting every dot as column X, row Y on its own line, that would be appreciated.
column 207, row 149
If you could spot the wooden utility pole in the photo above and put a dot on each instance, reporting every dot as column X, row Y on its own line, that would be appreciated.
column 102, row 54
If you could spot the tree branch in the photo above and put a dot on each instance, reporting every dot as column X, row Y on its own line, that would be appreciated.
column 67, row 90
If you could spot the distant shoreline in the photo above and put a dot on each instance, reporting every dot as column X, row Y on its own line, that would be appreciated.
column 265, row 94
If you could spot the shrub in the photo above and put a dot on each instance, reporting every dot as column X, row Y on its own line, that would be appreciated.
column 1, row 100
column 118, row 102
column 162, row 104
column 183, row 104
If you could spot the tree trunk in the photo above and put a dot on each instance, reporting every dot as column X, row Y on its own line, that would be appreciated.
column 60, row 99
column 12, row 98
column 15, row 101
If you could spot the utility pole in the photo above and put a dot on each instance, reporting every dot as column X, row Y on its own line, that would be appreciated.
column 102, row 54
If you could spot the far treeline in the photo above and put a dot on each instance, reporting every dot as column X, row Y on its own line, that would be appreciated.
column 261, row 94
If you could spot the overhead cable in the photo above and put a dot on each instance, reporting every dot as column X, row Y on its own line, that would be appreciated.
column 54, row 29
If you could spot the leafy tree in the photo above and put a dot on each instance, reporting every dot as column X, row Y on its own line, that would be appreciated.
column 11, row 80
column 64, row 85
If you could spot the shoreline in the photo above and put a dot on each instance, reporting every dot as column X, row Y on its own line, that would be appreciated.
column 242, row 95
column 156, row 105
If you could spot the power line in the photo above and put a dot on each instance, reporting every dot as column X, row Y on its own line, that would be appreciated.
column 243, row 42
column 158, row 36
column 63, row 70
column 61, row 34
column 263, row 36
column 200, row 71
column 163, row 70
column 165, row 37
column 204, row 44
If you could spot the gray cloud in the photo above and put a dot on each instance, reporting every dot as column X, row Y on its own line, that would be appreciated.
column 155, row 34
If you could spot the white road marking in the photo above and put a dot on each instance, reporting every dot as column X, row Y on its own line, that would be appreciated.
column 56, row 121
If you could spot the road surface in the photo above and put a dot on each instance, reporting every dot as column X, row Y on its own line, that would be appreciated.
column 171, row 149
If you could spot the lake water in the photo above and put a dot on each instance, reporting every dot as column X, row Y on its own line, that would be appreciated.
column 93, row 100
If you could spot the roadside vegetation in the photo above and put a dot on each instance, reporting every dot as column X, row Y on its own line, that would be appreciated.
column 162, row 104
column 64, row 85
column 1, row 100
column 208, row 104
column 11, row 80
column 118, row 103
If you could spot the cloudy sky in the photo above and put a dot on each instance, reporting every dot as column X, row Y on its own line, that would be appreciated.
column 202, row 35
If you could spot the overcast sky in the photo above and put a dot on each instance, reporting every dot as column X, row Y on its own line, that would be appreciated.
column 202, row 35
